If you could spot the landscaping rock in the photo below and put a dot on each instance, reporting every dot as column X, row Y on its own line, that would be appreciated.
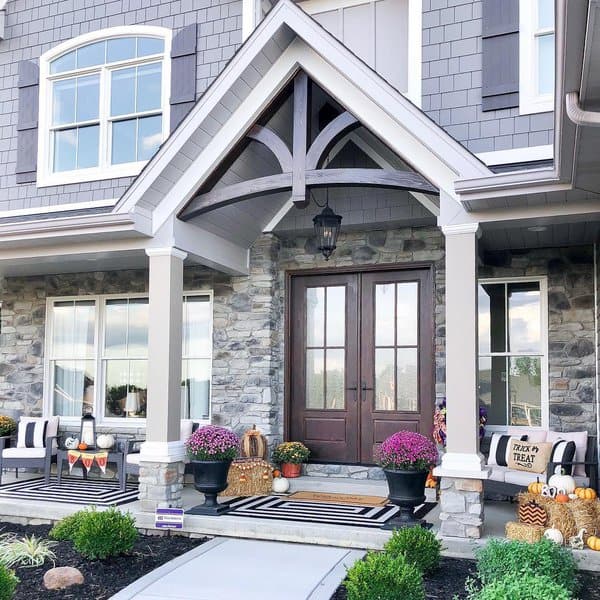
column 59, row 578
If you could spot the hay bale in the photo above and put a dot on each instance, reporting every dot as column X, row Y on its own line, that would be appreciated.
column 524, row 532
column 249, row 477
column 585, row 516
column 560, row 517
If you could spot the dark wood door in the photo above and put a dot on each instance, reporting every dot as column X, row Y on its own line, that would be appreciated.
column 361, row 356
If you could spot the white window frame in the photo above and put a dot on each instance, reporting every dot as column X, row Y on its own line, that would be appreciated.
column 104, row 170
column 544, row 383
column 253, row 12
column 99, row 359
column 530, row 101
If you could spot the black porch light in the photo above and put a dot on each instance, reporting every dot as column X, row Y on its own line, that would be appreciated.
column 327, row 228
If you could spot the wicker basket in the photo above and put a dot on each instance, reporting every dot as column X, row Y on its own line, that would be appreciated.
column 524, row 532
column 249, row 477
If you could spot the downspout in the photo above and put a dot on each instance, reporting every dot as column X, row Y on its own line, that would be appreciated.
column 596, row 342
column 587, row 118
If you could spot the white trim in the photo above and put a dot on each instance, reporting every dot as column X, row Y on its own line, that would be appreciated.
column 104, row 170
column 461, row 228
column 279, row 215
column 176, row 252
column 463, row 466
column 517, row 155
column 529, row 100
column 42, row 210
column 162, row 452
column 249, row 20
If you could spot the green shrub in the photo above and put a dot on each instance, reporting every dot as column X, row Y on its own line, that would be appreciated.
column 499, row 558
column 523, row 587
column 8, row 583
column 104, row 534
column 381, row 576
column 418, row 545
column 65, row 529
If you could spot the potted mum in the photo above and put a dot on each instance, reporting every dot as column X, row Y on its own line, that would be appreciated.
column 406, row 458
column 211, row 450
column 291, row 455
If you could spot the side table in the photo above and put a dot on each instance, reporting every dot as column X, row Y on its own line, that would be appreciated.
column 114, row 456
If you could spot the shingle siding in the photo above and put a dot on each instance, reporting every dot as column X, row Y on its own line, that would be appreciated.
column 35, row 26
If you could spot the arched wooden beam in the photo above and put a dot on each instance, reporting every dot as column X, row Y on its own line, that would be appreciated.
column 275, row 144
column 341, row 125
column 224, row 196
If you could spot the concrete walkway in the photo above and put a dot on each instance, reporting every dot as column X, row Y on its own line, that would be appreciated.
column 225, row 568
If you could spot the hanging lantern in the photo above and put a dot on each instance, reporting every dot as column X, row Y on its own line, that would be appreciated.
column 327, row 228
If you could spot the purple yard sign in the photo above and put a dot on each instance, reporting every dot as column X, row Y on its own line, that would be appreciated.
column 168, row 518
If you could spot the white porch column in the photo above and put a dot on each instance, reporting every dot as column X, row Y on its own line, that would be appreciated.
column 161, row 457
column 462, row 469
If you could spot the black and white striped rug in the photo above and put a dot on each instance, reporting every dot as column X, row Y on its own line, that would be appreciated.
column 282, row 509
column 72, row 490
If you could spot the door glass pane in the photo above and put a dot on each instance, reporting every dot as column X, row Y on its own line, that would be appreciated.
column 525, row 391
column 492, row 388
column 195, row 389
column 120, row 49
column 315, row 316
column 336, row 316
column 196, row 326
column 87, row 146
column 148, row 87
column 524, row 317
column 335, row 379
column 314, row 379
column 149, row 137
column 408, row 313
column 65, row 150
column 137, row 342
column 63, row 101
column 122, row 92
column 545, row 48
column 385, row 386
column 88, row 97
column 73, row 389
column 384, row 314
column 123, row 141
column 407, row 377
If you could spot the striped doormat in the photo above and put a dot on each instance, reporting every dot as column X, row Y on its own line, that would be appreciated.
column 284, row 509
column 72, row 490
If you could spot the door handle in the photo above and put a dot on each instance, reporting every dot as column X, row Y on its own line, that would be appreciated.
column 365, row 388
column 352, row 388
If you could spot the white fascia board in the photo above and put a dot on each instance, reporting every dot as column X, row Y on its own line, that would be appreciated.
column 44, row 210
column 517, row 155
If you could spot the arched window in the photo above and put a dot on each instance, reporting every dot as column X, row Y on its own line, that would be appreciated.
column 104, row 100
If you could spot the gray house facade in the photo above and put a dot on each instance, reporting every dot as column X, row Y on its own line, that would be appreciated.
column 160, row 170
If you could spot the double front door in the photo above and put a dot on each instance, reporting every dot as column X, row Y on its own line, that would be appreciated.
column 361, row 357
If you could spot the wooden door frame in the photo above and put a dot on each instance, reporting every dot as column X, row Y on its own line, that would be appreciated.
column 291, row 273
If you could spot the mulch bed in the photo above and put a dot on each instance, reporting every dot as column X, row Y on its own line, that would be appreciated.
column 449, row 581
column 103, row 578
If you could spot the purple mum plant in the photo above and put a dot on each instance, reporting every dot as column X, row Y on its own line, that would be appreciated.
column 212, row 443
column 408, row 451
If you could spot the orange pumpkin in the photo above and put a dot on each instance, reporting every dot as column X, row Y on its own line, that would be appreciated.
column 535, row 487
column 276, row 473
column 593, row 542
column 586, row 493
column 562, row 498
column 82, row 446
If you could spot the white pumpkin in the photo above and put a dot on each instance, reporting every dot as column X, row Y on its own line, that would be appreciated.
column 280, row 485
column 563, row 482
column 105, row 440
column 554, row 535
column 71, row 443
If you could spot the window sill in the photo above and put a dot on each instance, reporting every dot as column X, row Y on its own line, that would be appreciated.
column 87, row 175
column 536, row 105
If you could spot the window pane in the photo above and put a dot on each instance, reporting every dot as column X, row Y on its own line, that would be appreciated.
column 65, row 63
column 126, row 385
column 196, row 326
column 492, row 317
column 62, row 329
column 65, row 150
column 122, row 92
column 524, row 317
column 492, row 388
column 525, row 391
column 336, row 315
column 120, row 49
column 385, row 385
column 195, row 389
column 408, row 312
column 314, row 379
column 148, row 87
column 315, row 316
column 149, row 137
column 147, row 46
column 87, row 149
column 115, row 329
column 91, row 55
column 88, row 97
column 545, row 45
column 407, row 376
column 73, row 389
column 384, row 314
column 335, row 379
column 138, row 327
column 545, row 14
column 63, row 101
column 84, row 316
column 123, row 141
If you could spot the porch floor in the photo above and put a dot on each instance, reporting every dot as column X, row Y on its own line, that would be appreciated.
column 497, row 514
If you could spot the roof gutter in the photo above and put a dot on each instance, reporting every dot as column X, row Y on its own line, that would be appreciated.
column 578, row 115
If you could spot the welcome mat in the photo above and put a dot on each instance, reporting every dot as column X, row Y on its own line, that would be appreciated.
column 284, row 509
column 334, row 498
column 71, row 491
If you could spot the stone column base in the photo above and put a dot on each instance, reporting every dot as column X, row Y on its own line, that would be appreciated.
column 160, row 485
column 462, row 507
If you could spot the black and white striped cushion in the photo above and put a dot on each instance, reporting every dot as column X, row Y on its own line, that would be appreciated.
column 563, row 452
column 500, row 448
column 32, row 434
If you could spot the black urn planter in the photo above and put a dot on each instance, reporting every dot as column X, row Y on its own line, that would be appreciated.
column 210, row 478
column 406, row 490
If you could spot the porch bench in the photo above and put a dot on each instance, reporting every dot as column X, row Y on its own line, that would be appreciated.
column 507, row 482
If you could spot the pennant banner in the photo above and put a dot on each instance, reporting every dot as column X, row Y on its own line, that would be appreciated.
column 87, row 458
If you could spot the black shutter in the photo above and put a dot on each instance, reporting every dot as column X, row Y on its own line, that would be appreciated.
column 183, row 73
column 500, row 54
column 27, row 124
